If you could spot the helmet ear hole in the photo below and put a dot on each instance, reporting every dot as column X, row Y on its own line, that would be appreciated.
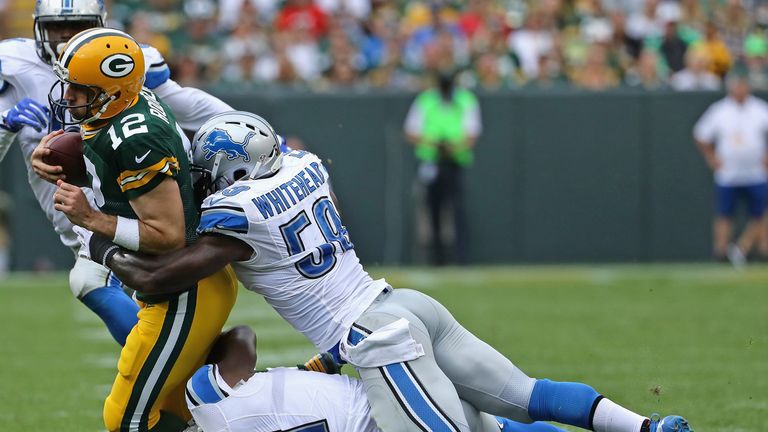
column 240, row 173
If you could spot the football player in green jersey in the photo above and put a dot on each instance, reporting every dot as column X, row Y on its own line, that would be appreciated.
column 137, row 160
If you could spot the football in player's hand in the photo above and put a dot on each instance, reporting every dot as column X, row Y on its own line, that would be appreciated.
column 67, row 152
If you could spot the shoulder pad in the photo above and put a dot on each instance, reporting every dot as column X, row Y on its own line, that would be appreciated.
column 299, row 157
column 204, row 388
column 157, row 71
column 151, row 55
column 15, row 54
column 224, row 211
column 229, row 197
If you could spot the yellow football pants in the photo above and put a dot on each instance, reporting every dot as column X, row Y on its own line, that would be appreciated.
column 169, row 343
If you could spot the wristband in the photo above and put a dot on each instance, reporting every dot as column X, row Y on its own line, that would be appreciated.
column 106, row 254
column 101, row 249
column 127, row 233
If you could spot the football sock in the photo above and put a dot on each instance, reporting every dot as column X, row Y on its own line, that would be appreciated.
column 508, row 425
column 563, row 402
column 115, row 308
column 611, row 417
column 323, row 363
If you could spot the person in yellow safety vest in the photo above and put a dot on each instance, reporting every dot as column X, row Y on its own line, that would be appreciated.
column 444, row 124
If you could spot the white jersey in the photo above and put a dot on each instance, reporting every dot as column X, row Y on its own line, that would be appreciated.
column 303, row 262
column 738, row 132
column 24, row 75
column 280, row 400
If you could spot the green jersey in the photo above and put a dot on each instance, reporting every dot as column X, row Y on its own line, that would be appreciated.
column 135, row 152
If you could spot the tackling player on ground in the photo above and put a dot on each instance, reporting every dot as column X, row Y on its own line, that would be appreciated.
column 137, row 162
column 228, row 395
column 282, row 233
column 25, row 80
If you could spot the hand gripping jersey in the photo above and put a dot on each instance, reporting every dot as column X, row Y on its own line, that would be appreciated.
column 280, row 400
column 304, row 263
column 24, row 75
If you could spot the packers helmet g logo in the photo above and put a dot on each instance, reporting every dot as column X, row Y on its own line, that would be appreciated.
column 117, row 65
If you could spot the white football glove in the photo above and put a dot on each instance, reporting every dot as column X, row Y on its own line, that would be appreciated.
column 84, row 237
column 94, row 247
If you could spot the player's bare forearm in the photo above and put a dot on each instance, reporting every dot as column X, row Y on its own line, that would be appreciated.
column 161, row 217
column 70, row 200
column 101, row 223
column 179, row 270
column 149, row 274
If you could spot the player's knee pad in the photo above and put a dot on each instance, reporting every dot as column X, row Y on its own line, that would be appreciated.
column 86, row 276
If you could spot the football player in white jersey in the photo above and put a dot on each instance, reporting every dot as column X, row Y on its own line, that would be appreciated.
column 25, row 81
column 273, row 219
column 229, row 395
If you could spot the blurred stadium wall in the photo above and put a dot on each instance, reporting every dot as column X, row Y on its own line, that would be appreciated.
column 560, row 176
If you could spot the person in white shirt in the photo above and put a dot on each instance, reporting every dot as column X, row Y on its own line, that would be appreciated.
column 732, row 137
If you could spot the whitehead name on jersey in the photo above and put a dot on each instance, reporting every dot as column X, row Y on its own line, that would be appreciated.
column 304, row 263
column 24, row 75
column 279, row 400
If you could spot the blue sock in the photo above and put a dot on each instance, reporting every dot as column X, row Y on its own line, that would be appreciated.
column 563, row 402
column 508, row 425
column 115, row 308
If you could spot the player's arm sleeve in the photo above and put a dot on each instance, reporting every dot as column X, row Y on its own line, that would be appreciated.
column 7, row 101
column 191, row 106
column 144, row 161
column 705, row 129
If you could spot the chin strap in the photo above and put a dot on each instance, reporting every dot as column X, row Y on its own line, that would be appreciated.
column 101, row 111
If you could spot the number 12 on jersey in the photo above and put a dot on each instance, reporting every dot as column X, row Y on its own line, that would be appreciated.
column 323, row 258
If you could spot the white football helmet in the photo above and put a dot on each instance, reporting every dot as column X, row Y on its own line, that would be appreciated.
column 230, row 146
column 76, row 15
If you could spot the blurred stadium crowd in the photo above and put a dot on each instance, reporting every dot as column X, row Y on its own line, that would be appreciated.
column 496, row 44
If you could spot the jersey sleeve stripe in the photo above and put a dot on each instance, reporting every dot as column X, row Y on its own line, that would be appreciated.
column 224, row 208
column 203, row 386
column 132, row 179
column 216, row 221
column 156, row 77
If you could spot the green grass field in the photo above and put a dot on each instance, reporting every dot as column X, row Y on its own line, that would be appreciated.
column 671, row 339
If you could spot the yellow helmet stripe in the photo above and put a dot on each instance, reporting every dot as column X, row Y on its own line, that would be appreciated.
column 82, row 39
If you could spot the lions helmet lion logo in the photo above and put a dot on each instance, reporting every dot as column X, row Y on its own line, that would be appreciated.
column 220, row 141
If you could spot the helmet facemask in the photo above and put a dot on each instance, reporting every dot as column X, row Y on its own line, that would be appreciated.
column 57, row 21
column 206, row 181
column 96, row 104
column 53, row 32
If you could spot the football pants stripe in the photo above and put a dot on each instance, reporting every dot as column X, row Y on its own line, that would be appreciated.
column 415, row 400
column 161, row 359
